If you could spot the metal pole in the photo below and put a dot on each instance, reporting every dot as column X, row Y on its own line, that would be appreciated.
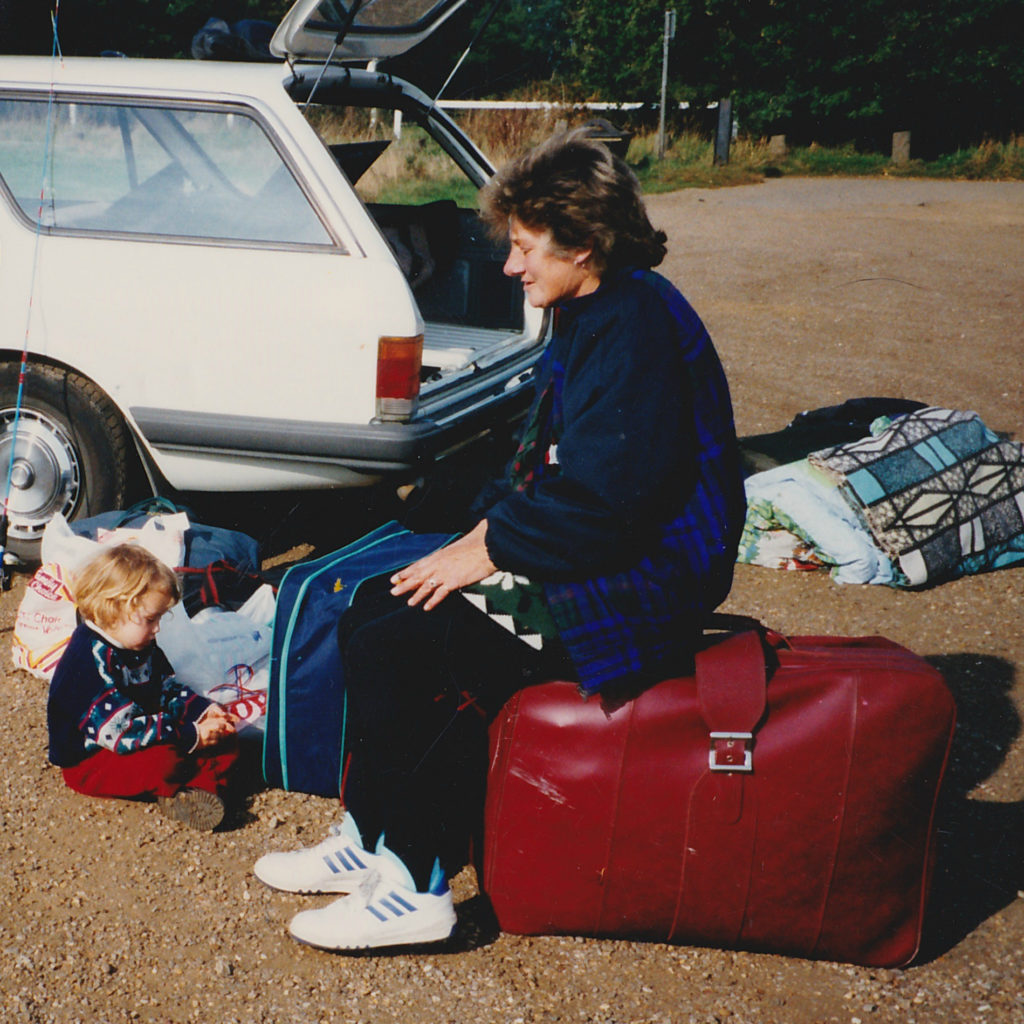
column 724, row 134
column 668, row 32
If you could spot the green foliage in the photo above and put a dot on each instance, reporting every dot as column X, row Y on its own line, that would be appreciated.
column 843, row 161
column 688, row 163
column 409, row 174
column 525, row 41
column 151, row 28
column 836, row 71
column 950, row 71
column 991, row 160
column 617, row 47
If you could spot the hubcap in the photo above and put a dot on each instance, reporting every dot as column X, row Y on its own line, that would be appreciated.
column 22, row 475
column 45, row 475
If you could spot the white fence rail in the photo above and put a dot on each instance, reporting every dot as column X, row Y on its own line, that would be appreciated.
column 551, row 105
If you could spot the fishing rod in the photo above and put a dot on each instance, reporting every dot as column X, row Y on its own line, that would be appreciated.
column 7, row 560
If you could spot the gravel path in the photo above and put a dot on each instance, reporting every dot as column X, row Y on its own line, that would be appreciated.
column 815, row 291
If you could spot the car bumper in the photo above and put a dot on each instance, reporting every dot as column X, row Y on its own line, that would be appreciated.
column 371, row 448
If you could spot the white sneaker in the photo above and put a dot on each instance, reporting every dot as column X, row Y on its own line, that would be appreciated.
column 386, row 911
column 337, row 864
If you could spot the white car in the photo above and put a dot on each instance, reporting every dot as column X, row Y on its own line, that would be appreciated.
column 203, row 285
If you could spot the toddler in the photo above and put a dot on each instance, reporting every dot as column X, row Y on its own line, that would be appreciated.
column 120, row 724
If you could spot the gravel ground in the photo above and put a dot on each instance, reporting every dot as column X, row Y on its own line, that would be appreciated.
column 815, row 291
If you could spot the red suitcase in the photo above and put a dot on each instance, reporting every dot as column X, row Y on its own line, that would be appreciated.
column 795, row 817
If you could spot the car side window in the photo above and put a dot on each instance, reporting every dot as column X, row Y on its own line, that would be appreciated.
column 143, row 169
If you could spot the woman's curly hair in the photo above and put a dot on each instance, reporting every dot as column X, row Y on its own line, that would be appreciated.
column 574, row 187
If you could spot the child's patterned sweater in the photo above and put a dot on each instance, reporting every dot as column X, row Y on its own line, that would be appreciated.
column 105, row 697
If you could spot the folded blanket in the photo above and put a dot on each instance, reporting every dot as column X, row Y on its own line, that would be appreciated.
column 796, row 519
column 941, row 493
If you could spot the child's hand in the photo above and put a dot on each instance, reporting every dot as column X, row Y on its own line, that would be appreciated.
column 214, row 724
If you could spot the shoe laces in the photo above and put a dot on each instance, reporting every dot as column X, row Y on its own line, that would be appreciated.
column 368, row 888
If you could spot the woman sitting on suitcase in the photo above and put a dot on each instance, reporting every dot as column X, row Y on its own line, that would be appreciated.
column 613, row 535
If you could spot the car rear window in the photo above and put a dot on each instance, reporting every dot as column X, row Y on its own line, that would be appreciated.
column 144, row 169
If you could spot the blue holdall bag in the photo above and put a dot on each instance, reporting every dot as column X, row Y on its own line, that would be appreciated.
column 204, row 544
column 302, row 745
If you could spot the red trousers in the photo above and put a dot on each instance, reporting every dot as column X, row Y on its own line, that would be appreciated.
column 160, row 770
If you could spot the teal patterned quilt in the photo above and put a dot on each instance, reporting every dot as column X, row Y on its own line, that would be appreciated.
column 941, row 494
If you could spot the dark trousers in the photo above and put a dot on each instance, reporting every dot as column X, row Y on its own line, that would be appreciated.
column 421, row 689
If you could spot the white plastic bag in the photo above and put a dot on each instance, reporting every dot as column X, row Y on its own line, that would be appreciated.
column 46, row 615
column 224, row 655
column 46, row 619
column 163, row 536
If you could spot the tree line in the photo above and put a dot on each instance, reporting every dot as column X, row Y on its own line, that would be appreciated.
column 950, row 71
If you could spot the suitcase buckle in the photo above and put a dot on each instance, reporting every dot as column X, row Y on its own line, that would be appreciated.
column 726, row 750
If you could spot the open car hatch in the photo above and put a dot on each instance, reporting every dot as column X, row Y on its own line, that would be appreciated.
column 321, row 30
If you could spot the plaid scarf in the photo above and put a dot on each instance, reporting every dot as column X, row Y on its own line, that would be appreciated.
column 530, row 459
column 515, row 602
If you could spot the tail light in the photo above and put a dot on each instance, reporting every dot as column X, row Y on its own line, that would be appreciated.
column 398, row 376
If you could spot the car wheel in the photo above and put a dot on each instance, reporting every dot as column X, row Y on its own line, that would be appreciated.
column 65, row 450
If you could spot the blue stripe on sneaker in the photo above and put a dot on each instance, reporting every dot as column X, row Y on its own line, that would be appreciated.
column 402, row 902
column 397, row 911
column 348, row 859
column 376, row 913
column 330, row 864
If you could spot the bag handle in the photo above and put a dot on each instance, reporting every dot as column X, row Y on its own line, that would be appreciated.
column 154, row 505
column 730, row 622
column 732, row 677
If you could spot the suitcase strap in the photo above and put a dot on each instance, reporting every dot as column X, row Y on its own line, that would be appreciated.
column 731, row 688
column 722, row 816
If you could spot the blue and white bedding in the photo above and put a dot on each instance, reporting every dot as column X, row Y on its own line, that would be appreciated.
column 928, row 497
column 796, row 518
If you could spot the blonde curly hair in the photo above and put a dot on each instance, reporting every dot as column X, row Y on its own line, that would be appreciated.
column 115, row 581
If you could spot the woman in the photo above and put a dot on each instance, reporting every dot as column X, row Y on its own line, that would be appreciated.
column 614, row 534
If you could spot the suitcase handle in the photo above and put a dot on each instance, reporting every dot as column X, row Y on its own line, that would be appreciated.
column 732, row 679
column 729, row 622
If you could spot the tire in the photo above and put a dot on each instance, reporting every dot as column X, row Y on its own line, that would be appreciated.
column 70, row 452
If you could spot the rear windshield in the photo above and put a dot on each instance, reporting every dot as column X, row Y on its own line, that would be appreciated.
column 389, row 159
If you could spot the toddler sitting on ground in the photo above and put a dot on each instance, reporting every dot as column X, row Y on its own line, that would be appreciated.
column 120, row 724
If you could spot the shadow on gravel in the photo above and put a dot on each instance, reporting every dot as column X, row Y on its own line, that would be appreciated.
column 979, row 868
column 321, row 520
column 328, row 520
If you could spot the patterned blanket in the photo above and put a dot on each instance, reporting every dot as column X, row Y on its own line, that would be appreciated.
column 942, row 494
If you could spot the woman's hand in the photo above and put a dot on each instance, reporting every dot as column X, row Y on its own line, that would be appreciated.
column 431, row 579
column 214, row 724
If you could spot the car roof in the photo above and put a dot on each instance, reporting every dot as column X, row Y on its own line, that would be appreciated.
column 145, row 76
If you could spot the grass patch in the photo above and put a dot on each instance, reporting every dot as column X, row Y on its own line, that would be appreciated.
column 689, row 162
column 994, row 161
column 413, row 170
column 414, row 192
column 829, row 162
